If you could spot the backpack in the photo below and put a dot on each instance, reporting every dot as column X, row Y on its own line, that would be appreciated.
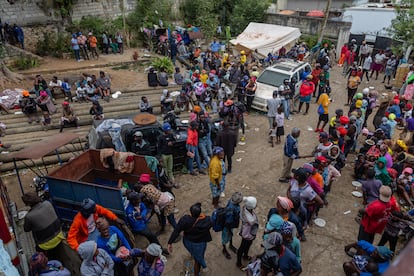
column 225, row 217
column 218, row 219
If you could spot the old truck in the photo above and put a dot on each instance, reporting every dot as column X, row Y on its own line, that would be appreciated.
column 86, row 177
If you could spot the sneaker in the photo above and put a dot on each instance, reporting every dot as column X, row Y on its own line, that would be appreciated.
column 176, row 210
column 222, row 195
column 290, row 118
column 283, row 180
column 317, row 130
column 194, row 173
column 202, row 172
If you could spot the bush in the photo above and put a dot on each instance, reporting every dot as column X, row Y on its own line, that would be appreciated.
column 53, row 45
column 24, row 63
column 164, row 62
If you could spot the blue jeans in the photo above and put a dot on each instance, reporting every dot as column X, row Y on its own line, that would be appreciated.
column 194, row 150
column 286, row 108
column 77, row 55
column 205, row 149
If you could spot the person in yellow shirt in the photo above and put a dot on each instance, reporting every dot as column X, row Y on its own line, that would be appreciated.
column 243, row 57
column 203, row 76
column 225, row 60
column 323, row 111
column 215, row 172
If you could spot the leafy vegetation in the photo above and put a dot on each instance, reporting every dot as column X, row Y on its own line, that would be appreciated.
column 25, row 62
column 53, row 45
column 403, row 25
column 163, row 62
column 201, row 14
column 246, row 11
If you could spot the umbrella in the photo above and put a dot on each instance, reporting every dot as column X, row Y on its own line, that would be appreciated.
column 315, row 13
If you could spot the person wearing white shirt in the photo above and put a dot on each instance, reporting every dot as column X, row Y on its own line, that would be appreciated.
column 55, row 85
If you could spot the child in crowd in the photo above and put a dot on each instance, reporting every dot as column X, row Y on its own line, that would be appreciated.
column 178, row 77
column 280, row 120
column 46, row 120
column 359, row 168
column 66, row 89
column 405, row 186
column 81, row 93
column 272, row 134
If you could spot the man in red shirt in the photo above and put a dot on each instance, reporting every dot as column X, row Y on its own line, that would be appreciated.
column 376, row 214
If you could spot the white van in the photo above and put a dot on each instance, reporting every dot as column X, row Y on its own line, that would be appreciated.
column 272, row 77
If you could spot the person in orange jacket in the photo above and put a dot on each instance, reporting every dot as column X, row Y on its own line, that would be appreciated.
column 83, row 227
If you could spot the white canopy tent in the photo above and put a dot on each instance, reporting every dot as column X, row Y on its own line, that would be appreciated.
column 266, row 38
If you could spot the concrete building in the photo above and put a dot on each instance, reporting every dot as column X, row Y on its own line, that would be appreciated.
column 371, row 20
column 306, row 5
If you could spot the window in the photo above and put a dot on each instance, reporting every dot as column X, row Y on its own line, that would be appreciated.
column 272, row 78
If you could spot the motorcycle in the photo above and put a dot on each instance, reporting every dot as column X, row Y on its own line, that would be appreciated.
column 41, row 187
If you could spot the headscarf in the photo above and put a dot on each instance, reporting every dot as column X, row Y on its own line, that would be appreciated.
column 217, row 150
column 286, row 228
column 382, row 174
column 383, row 160
column 285, row 202
column 154, row 250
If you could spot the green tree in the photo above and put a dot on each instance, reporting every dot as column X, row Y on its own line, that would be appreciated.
column 403, row 25
column 149, row 12
column 246, row 11
column 224, row 9
column 201, row 14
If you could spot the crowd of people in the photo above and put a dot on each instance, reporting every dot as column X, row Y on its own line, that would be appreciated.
column 215, row 82
column 12, row 34
column 86, row 47
column 88, row 89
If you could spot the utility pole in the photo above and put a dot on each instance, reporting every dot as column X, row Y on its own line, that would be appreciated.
column 125, row 31
column 325, row 20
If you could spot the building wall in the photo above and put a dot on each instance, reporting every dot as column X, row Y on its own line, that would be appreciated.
column 32, row 12
column 335, row 30
column 309, row 25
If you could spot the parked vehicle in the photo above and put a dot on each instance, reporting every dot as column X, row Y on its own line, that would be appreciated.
column 151, row 133
column 272, row 77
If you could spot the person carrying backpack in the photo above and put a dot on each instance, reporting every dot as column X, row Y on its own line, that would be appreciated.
column 232, row 220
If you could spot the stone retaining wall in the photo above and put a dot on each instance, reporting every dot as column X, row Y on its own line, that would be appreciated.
column 33, row 12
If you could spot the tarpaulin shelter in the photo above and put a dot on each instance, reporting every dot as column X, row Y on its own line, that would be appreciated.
column 265, row 38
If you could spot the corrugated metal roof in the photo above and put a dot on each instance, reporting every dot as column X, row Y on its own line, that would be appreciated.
column 39, row 149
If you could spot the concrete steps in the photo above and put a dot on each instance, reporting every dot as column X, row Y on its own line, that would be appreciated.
column 20, row 134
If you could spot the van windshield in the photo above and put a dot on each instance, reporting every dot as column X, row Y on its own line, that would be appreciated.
column 272, row 78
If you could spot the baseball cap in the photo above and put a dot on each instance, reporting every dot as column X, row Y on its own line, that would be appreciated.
column 323, row 135
column 138, row 133
column 322, row 159
column 308, row 167
column 272, row 240
column 385, row 193
column 166, row 127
